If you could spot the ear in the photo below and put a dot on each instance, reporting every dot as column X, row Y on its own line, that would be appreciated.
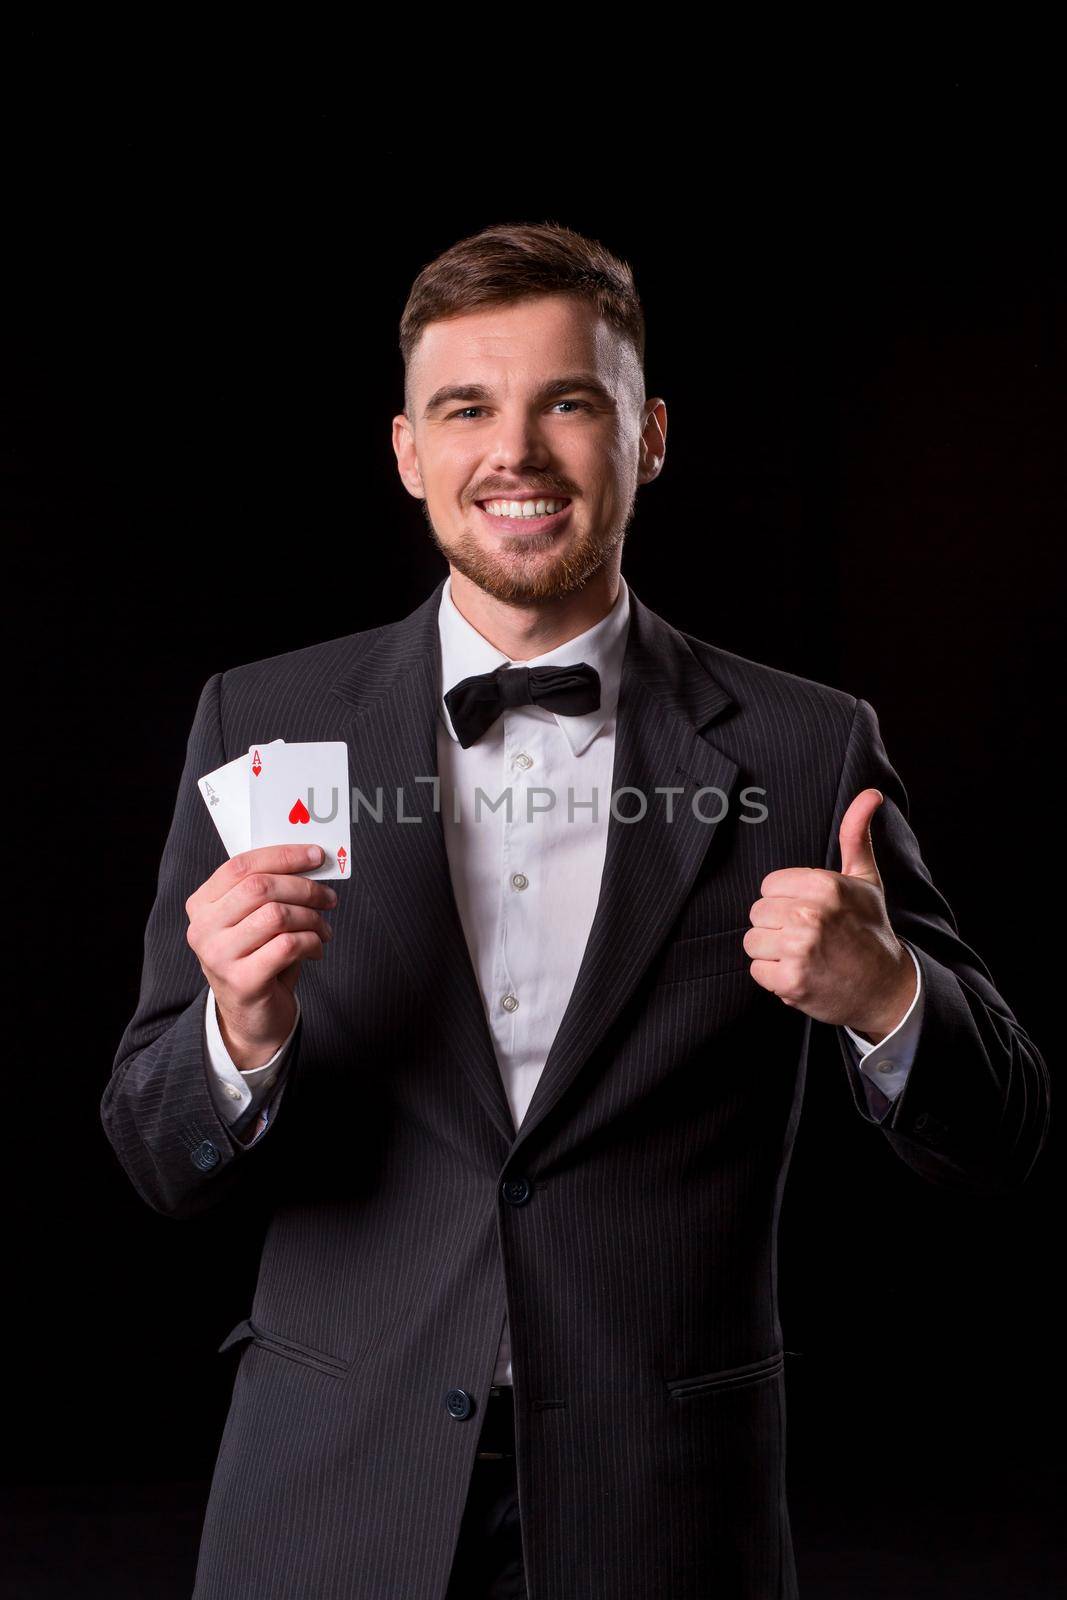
column 407, row 461
column 653, row 440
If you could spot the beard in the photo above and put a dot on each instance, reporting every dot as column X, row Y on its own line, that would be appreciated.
column 508, row 576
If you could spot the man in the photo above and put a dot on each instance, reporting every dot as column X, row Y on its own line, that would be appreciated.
column 524, row 1127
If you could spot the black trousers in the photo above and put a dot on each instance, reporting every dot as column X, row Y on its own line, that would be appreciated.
column 488, row 1560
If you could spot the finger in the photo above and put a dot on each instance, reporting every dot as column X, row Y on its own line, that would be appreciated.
column 801, row 883
column 790, row 916
column 765, row 973
column 784, row 977
column 262, row 888
column 289, row 975
column 262, row 925
column 258, row 970
column 267, row 858
column 763, row 944
column 770, row 912
column 854, row 837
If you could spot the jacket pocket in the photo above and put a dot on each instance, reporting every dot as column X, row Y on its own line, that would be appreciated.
column 321, row 1360
column 729, row 1378
column 703, row 955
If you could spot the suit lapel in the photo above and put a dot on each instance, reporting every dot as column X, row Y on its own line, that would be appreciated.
column 666, row 698
column 392, row 742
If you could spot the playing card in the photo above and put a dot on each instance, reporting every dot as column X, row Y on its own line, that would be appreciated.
column 299, row 794
column 225, row 793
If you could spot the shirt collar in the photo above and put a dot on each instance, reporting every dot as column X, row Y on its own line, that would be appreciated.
column 465, row 651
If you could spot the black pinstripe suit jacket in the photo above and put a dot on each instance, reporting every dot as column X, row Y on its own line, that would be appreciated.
column 629, row 1227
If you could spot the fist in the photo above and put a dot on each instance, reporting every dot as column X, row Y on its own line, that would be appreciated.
column 251, row 924
column 821, row 940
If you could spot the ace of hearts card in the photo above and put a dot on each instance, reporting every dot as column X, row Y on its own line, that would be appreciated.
column 299, row 794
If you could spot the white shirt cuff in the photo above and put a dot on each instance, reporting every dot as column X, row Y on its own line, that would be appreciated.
column 888, row 1063
column 232, row 1090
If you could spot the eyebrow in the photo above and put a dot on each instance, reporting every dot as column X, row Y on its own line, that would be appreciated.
column 575, row 382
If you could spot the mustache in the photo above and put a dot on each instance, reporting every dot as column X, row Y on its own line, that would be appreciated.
column 553, row 492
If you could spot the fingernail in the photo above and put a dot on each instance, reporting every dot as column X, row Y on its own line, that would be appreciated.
column 329, row 931
column 333, row 896
column 315, row 853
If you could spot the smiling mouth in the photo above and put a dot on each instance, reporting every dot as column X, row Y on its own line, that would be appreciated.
column 532, row 514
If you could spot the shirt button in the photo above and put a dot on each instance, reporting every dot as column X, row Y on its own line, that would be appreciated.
column 519, row 880
column 234, row 1094
column 510, row 1002
column 886, row 1066
column 524, row 761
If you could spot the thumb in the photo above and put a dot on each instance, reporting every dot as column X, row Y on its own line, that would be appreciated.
column 854, row 836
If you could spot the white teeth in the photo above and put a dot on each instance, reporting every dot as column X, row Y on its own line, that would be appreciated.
column 523, row 508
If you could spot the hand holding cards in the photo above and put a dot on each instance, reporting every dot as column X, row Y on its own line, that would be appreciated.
column 256, row 919
column 251, row 925
column 285, row 794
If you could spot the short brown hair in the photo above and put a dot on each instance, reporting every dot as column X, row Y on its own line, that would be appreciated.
column 513, row 261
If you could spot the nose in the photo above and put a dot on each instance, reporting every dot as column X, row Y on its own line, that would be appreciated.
column 518, row 443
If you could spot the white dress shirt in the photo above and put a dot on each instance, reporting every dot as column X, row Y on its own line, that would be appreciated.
column 525, row 872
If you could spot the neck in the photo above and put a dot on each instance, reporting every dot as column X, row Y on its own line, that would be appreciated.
column 524, row 631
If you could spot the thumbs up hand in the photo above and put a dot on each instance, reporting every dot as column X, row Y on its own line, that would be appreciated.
column 821, row 940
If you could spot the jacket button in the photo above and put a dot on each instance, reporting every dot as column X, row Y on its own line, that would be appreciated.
column 205, row 1156
column 458, row 1404
column 920, row 1121
column 516, row 1191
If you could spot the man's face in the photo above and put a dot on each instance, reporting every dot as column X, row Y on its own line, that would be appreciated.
column 533, row 400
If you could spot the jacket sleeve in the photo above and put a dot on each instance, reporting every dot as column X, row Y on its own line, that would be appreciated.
column 974, row 1111
column 158, row 1109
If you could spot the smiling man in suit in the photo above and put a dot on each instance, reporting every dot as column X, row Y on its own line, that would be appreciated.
column 524, row 1131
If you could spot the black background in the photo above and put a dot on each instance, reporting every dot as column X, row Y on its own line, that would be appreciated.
column 859, row 340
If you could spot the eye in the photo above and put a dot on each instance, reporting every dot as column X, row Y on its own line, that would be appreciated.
column 580, row 405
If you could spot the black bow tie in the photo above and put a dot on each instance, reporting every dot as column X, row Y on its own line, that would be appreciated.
column 475, row 703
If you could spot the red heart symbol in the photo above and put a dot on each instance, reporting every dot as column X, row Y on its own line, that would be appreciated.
column 300, row 813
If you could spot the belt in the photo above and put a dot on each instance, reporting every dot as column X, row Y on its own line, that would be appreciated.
column 496, row 1441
